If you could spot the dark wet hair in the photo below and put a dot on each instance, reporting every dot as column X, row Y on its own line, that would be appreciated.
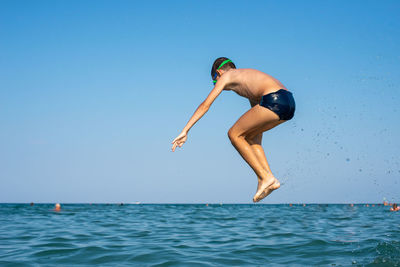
column 394, row 205
column 218, row 62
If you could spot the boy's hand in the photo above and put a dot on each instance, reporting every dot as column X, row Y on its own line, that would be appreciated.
column 179, row 140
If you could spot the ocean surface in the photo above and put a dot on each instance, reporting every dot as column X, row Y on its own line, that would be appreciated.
column 199, row 235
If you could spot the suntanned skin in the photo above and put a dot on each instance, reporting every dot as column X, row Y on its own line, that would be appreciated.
column 246, row 133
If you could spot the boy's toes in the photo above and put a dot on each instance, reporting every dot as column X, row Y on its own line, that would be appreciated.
column 268, row 190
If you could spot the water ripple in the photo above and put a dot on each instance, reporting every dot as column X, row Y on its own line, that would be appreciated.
column 199, row 235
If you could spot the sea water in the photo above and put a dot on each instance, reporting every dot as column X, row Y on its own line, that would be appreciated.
column 199, row 235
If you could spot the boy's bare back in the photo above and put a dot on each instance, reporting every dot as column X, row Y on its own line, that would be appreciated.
column 251, row 83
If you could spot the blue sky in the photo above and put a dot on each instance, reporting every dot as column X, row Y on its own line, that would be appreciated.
column 93, row 92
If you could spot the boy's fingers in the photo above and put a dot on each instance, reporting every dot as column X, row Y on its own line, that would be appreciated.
column 177, row 142
column 176, row 139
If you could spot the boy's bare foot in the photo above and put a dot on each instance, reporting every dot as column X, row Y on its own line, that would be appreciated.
column 265, row 188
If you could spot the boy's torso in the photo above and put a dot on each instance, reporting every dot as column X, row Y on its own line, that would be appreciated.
column 251, row 83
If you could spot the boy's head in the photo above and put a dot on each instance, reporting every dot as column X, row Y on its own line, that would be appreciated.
column 221, row 63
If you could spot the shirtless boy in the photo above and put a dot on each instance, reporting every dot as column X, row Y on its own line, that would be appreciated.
column 271, row 104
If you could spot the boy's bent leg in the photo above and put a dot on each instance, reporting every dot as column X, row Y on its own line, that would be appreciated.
column 253, row 122
column 255, row 143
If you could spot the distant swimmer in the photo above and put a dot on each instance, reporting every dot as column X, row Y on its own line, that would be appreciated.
column 57, row 207
column 271, row 104
column 395, row 208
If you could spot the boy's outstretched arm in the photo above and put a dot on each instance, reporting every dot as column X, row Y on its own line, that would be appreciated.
column 200, row 111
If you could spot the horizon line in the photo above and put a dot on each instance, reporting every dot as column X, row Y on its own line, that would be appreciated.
column 199, row 203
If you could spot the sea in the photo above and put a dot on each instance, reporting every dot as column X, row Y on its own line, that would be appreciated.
column 199, row 235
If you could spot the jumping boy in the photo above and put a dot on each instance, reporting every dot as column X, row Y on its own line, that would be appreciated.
column 271, row 104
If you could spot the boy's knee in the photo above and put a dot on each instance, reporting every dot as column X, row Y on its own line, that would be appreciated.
column 231, row 135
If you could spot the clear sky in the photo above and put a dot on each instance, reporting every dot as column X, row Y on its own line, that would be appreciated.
column 93, row 92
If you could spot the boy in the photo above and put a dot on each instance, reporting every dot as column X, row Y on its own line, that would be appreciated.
column 271, row 104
